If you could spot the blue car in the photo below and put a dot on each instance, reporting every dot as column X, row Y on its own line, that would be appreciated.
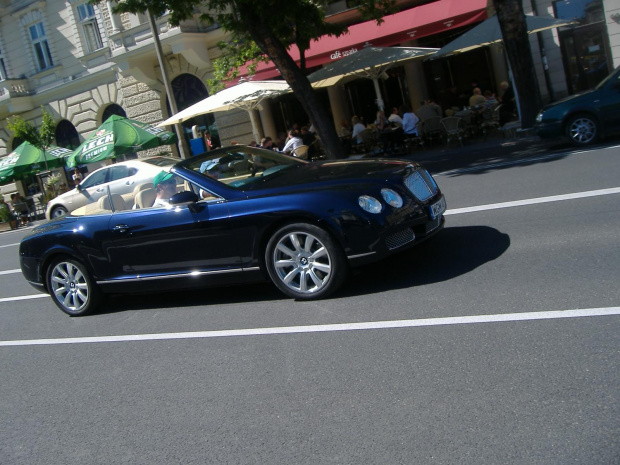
column 231, row 216
column 585, row 117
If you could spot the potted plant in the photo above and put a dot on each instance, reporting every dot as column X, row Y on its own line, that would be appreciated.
column 6, row 215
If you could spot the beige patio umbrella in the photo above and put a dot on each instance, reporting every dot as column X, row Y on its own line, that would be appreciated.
column 368, row 63
column 247, row 95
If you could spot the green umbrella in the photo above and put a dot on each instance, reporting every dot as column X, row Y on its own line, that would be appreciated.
column 29, row 159
column 118, row 136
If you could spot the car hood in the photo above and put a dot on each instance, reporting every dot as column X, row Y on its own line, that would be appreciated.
column 335, row 173
column 586, row 96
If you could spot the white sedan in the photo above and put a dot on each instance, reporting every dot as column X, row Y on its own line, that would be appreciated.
column 125, row 178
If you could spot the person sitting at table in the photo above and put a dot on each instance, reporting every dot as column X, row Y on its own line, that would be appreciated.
column 345, row 129
column 266, row 143
column 428, row 109
column 381, row 122
column 476, row 98
column 20, row 208
column 294, row 141
column 395, row 118
column 358, row 127
column 410, row 120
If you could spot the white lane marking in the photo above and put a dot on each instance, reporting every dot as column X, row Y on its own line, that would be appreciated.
column 16, row 270
column 23, row 297
column 9, row 245
column 518, row 203
column 459, row 320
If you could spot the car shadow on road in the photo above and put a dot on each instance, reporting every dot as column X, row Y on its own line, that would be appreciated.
column 454, row 252
column 208, row 296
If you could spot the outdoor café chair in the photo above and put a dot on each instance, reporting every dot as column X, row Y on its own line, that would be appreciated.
column 453, row 128
column 301, row 152
column 430, row 129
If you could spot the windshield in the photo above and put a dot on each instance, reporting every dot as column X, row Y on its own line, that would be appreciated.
column 242, row 167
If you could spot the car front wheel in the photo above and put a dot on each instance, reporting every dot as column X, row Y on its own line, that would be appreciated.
column 305, row 262
column 72, row 288
column 582, row 130
column 59, row 211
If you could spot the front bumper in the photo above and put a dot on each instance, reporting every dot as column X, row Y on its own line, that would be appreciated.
column 376, row 240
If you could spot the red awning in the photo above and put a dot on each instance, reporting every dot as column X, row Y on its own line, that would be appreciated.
column 414, row 23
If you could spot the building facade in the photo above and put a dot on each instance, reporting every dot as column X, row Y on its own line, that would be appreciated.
column 82, row 63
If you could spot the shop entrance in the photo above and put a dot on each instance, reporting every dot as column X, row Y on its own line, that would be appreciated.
column 585, row 48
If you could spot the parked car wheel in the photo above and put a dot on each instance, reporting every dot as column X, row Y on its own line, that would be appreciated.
column 59, row 211
column 582, row 129
column 304, row 262
column 71, row 287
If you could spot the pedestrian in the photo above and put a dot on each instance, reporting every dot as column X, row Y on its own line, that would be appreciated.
column 76, row 177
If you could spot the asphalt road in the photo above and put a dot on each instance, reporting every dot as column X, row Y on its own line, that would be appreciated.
column 496, row 343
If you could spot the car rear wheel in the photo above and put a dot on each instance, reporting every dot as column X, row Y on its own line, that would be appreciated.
column 59, row 211
column 582, row 130
column 305, row 262
column 72, row 288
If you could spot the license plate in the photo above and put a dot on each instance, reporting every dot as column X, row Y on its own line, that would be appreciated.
column 438, row 208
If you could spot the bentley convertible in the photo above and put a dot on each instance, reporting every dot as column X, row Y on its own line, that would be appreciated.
column 234, row 215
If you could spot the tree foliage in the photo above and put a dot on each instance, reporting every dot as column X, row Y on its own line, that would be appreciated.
column 25, row 130
column 265, row 30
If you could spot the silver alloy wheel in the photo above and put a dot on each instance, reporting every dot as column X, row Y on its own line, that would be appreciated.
column 59, row 211
column 582, row 130
column 302, row 262
column 69, row 287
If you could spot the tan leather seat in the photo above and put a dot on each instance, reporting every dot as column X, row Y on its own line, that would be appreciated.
column 141, row 187
column 117, row 202
column 145, row 198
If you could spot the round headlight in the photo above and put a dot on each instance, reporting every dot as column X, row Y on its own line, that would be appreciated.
column 392, row 198
column 369, row 204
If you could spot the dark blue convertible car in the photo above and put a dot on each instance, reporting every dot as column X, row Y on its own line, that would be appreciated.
column 234, row 215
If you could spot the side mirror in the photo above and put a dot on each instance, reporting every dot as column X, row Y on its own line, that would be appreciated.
column 183, row 198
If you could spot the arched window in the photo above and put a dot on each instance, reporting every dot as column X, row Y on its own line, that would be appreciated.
column 66, row 135
column 188, row 89
column 16, row 143
column 113, row 109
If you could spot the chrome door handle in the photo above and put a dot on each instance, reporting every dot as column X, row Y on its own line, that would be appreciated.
column 121, row 228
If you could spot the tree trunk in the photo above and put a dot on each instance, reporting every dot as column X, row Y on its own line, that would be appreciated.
column 517, row 45
column 301, row 87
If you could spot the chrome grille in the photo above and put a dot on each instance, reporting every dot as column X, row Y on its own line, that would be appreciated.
column 396, row 240
column 421, row 184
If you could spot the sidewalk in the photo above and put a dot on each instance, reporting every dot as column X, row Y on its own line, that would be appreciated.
column 494, row 149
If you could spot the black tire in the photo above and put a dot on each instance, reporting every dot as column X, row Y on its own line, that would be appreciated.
column 72, row 288
column 304, row 262
column 582, row 130
column 58, row 211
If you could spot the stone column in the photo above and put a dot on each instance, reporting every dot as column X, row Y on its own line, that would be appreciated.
column 338, row 104
column 266, row 118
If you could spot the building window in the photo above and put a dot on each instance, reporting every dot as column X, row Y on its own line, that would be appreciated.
column 40, row 46
column 90, row 28
column 3, row 75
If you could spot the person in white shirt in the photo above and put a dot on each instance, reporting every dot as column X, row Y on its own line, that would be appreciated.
column 294, row 141
column 357, row 128
column 395, row 118
column 410, row 120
